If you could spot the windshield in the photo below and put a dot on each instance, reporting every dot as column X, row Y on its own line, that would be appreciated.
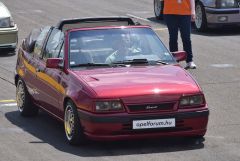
column 110, row 46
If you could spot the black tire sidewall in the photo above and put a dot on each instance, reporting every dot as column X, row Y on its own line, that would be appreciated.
column 78, row 136
column 160, row 16
column 203, row 26
column 28, row 108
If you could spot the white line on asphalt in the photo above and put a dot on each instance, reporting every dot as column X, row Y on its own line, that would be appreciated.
column 143, row 12
column 140, row 18
column 38, row 11
column 8, row 105
column 216, row 137
column 222, row 65
column 10, row 130
column 21, row 12
column 29, row 11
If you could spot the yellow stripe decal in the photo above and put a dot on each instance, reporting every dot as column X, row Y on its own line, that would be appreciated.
column 44, row 77
column 20, row 72
column 29, row 67
column 52, row 82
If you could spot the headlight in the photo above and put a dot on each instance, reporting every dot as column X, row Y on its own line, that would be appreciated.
column 6, row 22
column 192, row 101
column 12, row 24
column 108, row 106
column 226, row 4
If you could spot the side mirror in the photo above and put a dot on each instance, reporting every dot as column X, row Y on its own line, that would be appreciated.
column 24, row 44
column 31, row 46
column 179, row 55
column 53, row 62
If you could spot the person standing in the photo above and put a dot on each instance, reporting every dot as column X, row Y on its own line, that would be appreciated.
column 178, row 15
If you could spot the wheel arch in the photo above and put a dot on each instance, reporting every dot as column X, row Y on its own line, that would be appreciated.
column 16, row 78
column 66, row 99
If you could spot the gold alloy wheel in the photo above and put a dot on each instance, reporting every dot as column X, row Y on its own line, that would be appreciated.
column 69, row 122
column 20, row 94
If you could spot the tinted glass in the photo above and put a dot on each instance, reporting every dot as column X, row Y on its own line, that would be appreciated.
column 61, row 53
column 54, row 44
column 40, row 40
column 114, row 45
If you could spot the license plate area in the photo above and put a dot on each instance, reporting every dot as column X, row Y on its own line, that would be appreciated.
column 154, row 124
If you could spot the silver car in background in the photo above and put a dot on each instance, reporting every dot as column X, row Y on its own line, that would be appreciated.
column 8, row 29
column 210, row 13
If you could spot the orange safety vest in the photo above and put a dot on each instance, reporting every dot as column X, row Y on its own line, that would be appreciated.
column 177, row 7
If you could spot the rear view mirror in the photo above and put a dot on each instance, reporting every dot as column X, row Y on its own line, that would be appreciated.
column 179, row 55
column 53, row 62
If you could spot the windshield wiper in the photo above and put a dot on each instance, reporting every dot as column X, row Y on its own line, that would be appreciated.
column 134, row 61
column 161, row 62
column 140, row 61
column 91, row 65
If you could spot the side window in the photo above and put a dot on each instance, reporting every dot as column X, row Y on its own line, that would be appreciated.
column 54, row 44
column 61, row 54
column 40, row 40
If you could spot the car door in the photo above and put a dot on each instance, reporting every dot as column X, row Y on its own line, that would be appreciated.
column 30, row 63
column 49, row 80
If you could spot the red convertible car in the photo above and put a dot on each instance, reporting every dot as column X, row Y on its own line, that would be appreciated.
column 108, row 79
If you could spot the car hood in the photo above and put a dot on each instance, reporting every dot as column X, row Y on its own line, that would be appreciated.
column 139, row 80
column 4, row 13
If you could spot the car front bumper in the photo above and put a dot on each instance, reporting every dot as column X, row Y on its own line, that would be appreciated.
column 220, row 17
column 119, row 126
column 8, row 37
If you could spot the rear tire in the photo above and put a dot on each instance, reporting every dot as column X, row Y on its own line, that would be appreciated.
column 24, row 102
column 158, row 9
column 73, row 129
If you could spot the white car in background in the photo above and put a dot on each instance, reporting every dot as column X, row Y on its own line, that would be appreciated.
column 8, row 29
column 210, row 13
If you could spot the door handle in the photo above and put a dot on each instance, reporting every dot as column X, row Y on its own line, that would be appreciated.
column 40, row 70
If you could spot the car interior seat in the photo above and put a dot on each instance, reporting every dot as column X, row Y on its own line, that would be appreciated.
column 80, row 58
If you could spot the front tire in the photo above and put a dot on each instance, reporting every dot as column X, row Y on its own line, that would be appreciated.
column 24, row 102
column 201, row 20
column 73, row 129
column 158, row 9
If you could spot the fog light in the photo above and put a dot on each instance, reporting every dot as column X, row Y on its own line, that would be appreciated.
column 222, row 18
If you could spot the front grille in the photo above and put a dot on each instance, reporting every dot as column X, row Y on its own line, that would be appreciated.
column 151, row 107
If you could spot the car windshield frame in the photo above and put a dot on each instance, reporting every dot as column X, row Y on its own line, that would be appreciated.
column 131, row 30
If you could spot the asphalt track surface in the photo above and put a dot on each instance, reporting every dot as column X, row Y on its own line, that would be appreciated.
column 216, row 52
